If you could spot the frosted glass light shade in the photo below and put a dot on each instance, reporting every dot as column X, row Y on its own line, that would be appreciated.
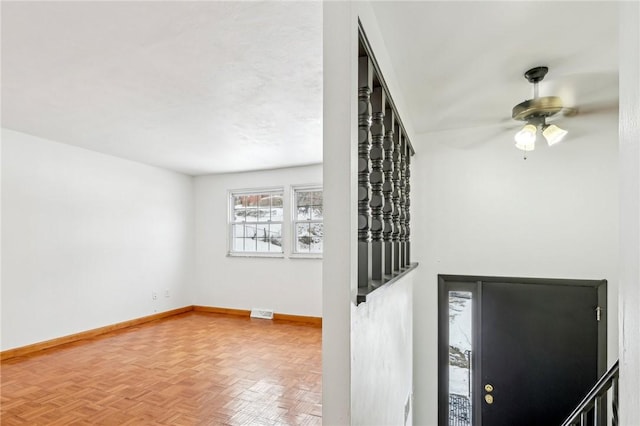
column 526, row 138
column 553, row 134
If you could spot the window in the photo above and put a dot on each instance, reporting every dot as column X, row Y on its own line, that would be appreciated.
column 256, row 221
column 308, row 229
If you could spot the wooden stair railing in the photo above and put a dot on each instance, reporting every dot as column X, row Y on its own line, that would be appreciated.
column 384, row 175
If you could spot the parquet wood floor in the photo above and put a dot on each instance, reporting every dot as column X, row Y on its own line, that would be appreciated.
column 189, row 369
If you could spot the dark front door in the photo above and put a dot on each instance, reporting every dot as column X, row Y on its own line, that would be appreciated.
column 539, row 352
column 518, row 351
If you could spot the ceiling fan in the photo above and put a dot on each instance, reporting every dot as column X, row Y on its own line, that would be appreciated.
column 582, row 94
column 535, row 112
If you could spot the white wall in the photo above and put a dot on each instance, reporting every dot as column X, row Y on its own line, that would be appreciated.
column 87, row 238
column 487, row 211
column 382, row 355
column 357, row 380
column 629, row 213
column 286, row 285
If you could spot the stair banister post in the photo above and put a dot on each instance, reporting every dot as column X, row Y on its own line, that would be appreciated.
column 365, row 83
column 376, row 178
column 387, row 189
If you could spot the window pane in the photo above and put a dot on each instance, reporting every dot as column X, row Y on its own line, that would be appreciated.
column 316, row 232
column 303, row 213
column 250, row 245
column 261, row 237
column 238, row 231
column 250, row 231
column 264, row 214
column 276, row 214
column 265, row 201
column 317, row 198
column 252, row 214
column 238, row 238
column 275, row 238
column 276, row 200
column 277, row 208
column 316, row 212
column 239, row 215
column 239, row 201
column 303, row 198
column 303, row 240
column 460, row 351
column 250, row 237
column 252, row 200
column 316, row 247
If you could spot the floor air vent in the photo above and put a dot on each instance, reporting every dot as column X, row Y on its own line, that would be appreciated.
column 262, row 313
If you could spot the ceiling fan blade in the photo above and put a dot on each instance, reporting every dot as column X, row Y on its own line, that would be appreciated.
column 469, row 138
column 610, row 107
column 593, row 108
column 582, row 88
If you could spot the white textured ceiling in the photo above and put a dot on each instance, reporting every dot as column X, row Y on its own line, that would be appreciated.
column 196, row 87
column 209, row 87
column 461, row 64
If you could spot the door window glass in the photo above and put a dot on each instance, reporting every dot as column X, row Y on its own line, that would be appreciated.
column 460, row 351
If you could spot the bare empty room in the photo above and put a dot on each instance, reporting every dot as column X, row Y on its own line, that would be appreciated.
column 151, row 192
column 343, row 212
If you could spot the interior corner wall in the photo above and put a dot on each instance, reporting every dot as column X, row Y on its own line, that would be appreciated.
column 486, row 211
column 285, row 284
column 87, row 238
column 629, row 213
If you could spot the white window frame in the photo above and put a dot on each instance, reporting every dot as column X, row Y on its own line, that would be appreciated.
column 231, row 221
column 294, row 220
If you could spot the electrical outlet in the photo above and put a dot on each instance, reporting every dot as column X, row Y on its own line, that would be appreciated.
column 154, row 295
column 166, row 293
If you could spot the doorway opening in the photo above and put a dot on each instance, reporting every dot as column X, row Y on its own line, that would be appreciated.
column 517, row 350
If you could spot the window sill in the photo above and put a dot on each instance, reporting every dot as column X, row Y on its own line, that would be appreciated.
column 305, row 256
column 272, row 255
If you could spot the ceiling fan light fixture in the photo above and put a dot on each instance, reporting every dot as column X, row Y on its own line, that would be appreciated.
column 526, row 138
column 553, row 134
column 534, row 112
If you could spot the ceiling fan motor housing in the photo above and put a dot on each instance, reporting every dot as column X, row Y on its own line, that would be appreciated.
column 536, row 110
column 541, row 107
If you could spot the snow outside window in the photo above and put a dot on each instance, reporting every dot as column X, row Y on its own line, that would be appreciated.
column 256, row 222
column 308, row 230
column 460, row 358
